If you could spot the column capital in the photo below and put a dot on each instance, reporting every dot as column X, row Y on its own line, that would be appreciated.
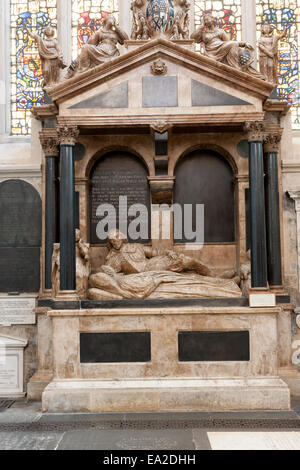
column 67, row 134
column 49, row 142
column 255, row 130
column 272, row 141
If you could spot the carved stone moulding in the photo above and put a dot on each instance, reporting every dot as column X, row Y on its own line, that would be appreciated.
column 161, row 126
column 67, row 134
column 255, row 130
column 272, row 141
column 49, row 142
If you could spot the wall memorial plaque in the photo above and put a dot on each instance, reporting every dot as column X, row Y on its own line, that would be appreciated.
column 11, row 366
column 19, row 270
column 205, row 177
column 116, row 175
column 17, row 311
column 20, row 214
column 20, row 237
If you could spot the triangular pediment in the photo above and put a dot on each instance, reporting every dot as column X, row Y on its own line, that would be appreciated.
column 204, row 95
column 12, row 342
column 190, row 85
column 116, row 97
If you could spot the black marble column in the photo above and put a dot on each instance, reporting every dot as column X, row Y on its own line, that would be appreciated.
column 257, row 206
column 271, row 148
column 50, row 146
column 67, row 208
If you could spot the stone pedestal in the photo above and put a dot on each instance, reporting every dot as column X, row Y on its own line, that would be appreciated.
column 166, row 370
column 44, row 374
column 166, row 395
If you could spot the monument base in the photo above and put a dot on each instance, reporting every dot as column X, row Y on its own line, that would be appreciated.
column 37, row 384
column 163, row 395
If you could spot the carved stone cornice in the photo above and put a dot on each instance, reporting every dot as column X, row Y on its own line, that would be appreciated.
column 49, row 142
column 67, row 134
column 161, row 126
column 255, row 130
column 272, row 141
column 295, row 195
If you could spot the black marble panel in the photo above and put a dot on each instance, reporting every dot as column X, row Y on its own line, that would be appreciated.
column 161, row 166
column 161, row 143
column 116, row 97
column 77, row 210
column 205, row 177
column 79, row 152
column 115, row 175
column 19, row 270
column 20, row 215
column 160, row 92
column 115, row 347
column 248, row 221
column 204, row 95
column 243, row 148
column 152, row 303
column 213, row 346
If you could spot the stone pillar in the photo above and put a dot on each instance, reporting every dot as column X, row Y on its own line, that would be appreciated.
column 295, row 195
column 271, row 149
column 49, row 142
column 67, row 136
column 255, row 132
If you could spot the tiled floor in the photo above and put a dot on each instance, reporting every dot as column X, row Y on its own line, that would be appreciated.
column 24, row 427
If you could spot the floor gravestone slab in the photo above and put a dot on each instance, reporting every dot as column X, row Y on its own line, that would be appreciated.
column 11, row 366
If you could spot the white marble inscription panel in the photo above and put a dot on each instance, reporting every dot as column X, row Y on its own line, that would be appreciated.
column 11, row 366
column 17, row 311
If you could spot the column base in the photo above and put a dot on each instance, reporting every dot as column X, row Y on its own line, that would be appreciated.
column 38, row 383
column 67, row 295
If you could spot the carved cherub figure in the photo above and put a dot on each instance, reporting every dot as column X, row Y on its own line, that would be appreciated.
column 83, row 265
column 245, row 275
column 268, row 53
column 50, row 54
column 180, row 28
column 139, row 25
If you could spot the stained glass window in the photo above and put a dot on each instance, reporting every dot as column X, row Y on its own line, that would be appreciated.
column 87, row 17
column 26, row 72
column 228, row 13
column 285, row 14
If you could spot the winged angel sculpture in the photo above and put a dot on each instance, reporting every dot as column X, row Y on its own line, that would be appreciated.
column 153, row 18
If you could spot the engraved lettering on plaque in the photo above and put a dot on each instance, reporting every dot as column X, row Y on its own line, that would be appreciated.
column 17, row 311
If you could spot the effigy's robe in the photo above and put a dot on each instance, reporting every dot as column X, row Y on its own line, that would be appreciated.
column 160, row 285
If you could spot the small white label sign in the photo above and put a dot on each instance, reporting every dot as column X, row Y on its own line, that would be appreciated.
column 262, row 300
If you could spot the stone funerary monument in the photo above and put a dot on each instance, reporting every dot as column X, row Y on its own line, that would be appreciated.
column 142, row 134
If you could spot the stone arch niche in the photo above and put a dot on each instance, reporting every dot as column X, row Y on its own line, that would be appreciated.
column 20, row 237
column 114, row 175
column 204, row 176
